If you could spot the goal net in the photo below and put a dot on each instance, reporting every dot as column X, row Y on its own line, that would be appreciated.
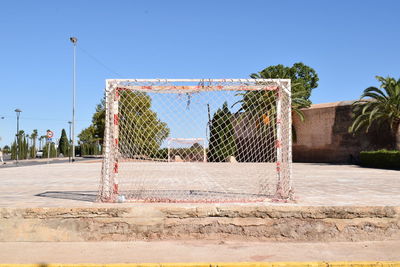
column 186, row 150
column 226, row 140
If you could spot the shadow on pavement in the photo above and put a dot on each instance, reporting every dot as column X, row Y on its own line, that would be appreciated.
column 89, row 196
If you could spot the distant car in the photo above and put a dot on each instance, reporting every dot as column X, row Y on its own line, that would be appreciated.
column 39, row 154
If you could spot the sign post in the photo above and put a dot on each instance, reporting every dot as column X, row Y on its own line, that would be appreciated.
column 49, row 140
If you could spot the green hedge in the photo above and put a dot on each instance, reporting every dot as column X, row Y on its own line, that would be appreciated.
column 387, row 159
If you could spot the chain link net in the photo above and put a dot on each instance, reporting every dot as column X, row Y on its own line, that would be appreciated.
column 203, row 141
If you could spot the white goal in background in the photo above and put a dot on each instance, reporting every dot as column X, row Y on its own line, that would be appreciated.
column 187, row 150
column 234, row 145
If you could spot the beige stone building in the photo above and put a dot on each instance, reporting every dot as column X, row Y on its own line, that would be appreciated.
column 324, row 136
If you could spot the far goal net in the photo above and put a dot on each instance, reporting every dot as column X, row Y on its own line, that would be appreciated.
column 221, row 140
column 186, row 150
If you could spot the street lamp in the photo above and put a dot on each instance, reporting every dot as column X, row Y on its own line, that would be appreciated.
column 69, row 142
column 73, row 40
column 1, row 118
column 18, row 112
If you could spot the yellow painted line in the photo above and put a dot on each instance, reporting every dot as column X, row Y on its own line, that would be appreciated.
column 224, row 264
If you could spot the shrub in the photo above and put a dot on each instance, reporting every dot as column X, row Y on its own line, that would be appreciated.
column 387, row 159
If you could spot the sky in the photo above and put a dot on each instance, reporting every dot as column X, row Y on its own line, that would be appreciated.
column 347, row 42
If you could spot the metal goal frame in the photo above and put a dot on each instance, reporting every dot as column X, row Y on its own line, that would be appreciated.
column 109, row 189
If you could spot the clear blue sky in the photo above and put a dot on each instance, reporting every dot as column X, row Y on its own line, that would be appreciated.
column 346, row 42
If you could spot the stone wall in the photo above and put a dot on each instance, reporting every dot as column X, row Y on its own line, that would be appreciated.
column 218, row 222
column 324, row 136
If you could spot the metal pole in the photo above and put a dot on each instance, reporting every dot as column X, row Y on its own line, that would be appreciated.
column 69, row 143
column 290, row 122
column 169, row 150
column 17, row 142
column 204, row 151
column 278, row 142
column 17, row 136
column 18, row 111
column 48, row 151
column 74, row 40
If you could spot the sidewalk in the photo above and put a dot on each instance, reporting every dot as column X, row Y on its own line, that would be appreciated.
column 195, row 251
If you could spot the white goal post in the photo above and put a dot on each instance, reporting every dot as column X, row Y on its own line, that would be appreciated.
column 234, row 146
column 190, row 154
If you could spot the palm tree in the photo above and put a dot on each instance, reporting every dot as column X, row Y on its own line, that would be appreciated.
column 379, row 105
column 299, row 93
column 33, row 137
column 41, row 138
column 26, row 146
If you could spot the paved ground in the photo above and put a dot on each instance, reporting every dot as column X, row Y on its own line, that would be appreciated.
column 42, row 161
column 66, row 185
column 195, row 251
column 75, row 185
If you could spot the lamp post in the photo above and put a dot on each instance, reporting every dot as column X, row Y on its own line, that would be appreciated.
column 1, row 118
column 74, row 40
column 18, row 112
column 69, row 142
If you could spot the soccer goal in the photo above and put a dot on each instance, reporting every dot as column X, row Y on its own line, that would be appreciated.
column 197, row 140
column 186, row 150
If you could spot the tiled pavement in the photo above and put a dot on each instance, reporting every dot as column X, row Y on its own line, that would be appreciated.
column 75, row 185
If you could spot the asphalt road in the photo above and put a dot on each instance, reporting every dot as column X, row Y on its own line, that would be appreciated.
column 8, row 163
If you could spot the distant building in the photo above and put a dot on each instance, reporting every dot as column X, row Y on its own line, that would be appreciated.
column 324, row 136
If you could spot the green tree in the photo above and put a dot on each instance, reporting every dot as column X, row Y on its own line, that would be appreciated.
column 20, row 146
column 89, row 141
column 63, row 143
column 53, row 150
column 140, row 131
column 6, row 149
column 99, row 121
column 87, row 135
column 45, row 150
column 262, row 104
column 303, row 80
column 379, row 105
column 26, row 146
column 14, row 150
column 222, row 140
column 32, row 150
column 49, row 149
column 42, row 140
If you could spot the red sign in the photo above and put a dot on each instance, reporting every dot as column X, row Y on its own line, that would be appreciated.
column 49, row 134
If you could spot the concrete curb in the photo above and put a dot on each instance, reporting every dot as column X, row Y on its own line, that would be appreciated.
column 224, row 264
column 187, row 222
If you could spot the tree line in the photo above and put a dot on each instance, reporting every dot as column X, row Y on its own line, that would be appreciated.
column 142, row 133
column 26, row 146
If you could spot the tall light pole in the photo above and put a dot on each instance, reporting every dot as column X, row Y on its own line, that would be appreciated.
column 69, row 142
column 74, row 40
column 1, row 118
column 18, row 112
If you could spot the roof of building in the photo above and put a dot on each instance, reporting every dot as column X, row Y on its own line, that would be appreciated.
column 332, row 104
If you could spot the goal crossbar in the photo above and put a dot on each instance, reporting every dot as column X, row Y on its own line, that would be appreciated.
column 202, row 84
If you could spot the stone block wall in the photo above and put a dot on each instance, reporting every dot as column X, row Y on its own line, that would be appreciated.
column 324, row 136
